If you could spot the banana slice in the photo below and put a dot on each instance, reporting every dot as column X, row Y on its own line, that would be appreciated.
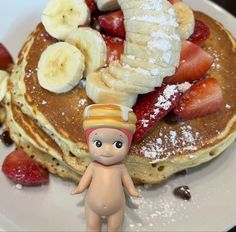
column 121, row 85
column 155, row 39
column 60, row 17
column 185, row 19
column 4, row 76
column 91, row 43
column 134, row 76
column 140, row 39
column 60, row 67
column 107, row 5
column 160, row 53
column 154, row 69
column 99, row 92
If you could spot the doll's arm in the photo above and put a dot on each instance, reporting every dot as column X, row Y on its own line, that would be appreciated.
column 128, row 183
column 85, row 180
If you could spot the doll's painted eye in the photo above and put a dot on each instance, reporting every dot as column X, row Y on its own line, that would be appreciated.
column 118, row 144
column 97, row 143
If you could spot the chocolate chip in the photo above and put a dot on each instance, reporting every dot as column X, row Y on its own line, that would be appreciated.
column 6, row 139
column 183, row 192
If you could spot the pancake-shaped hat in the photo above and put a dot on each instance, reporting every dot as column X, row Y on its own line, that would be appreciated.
column 109, row 116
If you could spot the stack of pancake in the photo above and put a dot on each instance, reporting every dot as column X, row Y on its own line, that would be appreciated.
column 48, row 126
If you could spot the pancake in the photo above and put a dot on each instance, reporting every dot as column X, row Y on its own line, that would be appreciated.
column 35, row 142
column 168, row 148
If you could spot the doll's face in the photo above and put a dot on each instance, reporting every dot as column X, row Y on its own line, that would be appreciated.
column 108, row 145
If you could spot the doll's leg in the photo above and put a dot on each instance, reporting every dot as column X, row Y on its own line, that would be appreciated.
column 93, row 220
column 115, row 221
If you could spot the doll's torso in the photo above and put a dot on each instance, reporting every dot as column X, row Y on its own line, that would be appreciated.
column 105, row 195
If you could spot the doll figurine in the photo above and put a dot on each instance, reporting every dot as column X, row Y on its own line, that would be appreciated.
column 109, row 131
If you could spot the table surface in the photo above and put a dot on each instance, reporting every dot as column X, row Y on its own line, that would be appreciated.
column 229, row 5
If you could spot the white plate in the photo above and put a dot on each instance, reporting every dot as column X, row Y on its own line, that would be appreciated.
column 52, row 208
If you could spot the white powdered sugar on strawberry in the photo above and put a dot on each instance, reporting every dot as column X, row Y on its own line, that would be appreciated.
column 152, row 107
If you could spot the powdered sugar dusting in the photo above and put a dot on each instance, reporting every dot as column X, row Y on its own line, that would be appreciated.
column 82, row 102
column 139, row 70
column 161, row 20
column 153, row 5
column 146, row 211
column 171, row 144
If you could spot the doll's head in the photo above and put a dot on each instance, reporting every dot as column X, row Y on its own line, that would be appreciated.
column 109, row 131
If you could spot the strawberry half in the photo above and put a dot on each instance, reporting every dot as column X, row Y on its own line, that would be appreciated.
column 5, row 58
column 112, row 24
column 174, row 1
column 21, row 169
column 200, row 34
column 202, row 98
column 152, row 107
column 115, row 47
column 194, row 63
column 91, row 5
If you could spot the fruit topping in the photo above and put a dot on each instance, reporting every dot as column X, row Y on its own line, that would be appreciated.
column 194, row 63
column 91, row 43
column 61, row 67
column 182, row 192
column 4, row 76
column 185, row 18
column 115, row 47
column 152, row 107
column 174, row 1
column 60, row 17
column 107, row 5
column 112, row 24
column 5, row 58
column 6, row 139
column 200, row 34
column 21, row 169
column 200, row 99
column 91, row 5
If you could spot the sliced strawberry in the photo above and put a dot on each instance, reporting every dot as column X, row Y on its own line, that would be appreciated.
column 152, row 107
column 5, row 58
column 21, row 169
column 115, row 47
column 202, row 98
column 194, row 63
column 174, row 1
column 200, row 34
column 91, row 5
column 112, row 24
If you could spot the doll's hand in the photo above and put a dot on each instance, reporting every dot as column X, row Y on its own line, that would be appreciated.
column 76, row 191
column 135, row 193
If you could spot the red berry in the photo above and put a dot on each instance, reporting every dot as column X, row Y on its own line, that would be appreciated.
column 5, row 58
column 21, row 169
column 174, row 1
column 152, row 107
column 200, row 34
column 202, row 98
column 194, row 63
column 115, row 47
column 91, row 5
column 113, row 24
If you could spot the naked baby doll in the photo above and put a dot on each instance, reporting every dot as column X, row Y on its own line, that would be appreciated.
column 109, row 130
